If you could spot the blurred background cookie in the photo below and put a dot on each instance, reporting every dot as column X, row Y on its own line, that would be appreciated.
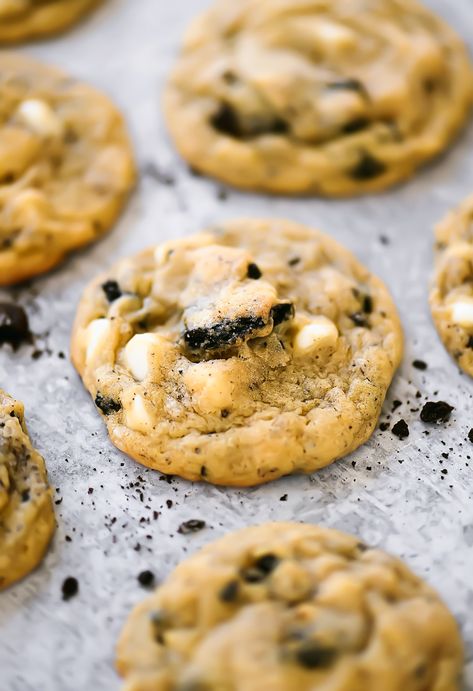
column 310, row 97
column 21, row 20
column 291, row 606
column 66, row 166
column 26, row 508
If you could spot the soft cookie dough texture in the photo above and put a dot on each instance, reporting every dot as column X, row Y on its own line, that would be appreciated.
column 291, row 607
column 66, row 166
column 451, row 296
column 26, row 509
column 254, row 350
column 331, row 97
column 21, row 20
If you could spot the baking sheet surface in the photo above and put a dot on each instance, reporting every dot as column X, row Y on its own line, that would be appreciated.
column 391, row 493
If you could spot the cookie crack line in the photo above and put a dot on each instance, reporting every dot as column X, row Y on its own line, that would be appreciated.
column 219, row 352
column 313, row 98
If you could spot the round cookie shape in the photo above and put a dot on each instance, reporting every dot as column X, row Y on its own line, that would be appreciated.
column 314, row 97
column 286, row 606
column 66, row 166
column 26, row 509
column 451, row 295
column 21, row 20
column 236, row 356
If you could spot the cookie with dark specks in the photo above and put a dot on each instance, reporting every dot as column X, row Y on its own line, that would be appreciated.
column 26, row 510
column 291, row 607
column 451, row 295
column 66, row 166
column 21, row 20
column 314, row 97
column 254, row 350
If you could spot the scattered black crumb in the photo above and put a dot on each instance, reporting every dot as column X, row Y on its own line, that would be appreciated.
column 222, row 194
column 419, row 364
column 146, row 579
column 470, row 435
column 436, row 411
column 384, row 240
column 396, row 405
column 283, row 498
column 14, row 325
column 400, row 429
column 367, row 168
column 192, row 526
column 294, row 261
column 384, row 426
column 70, row 588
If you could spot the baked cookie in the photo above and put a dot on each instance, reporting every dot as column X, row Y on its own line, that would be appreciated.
column 28, row 19
column 451, row 296
column 291, row 607
column 254, row 350
column 26, row 509
column 66, row 166
column 315, row 97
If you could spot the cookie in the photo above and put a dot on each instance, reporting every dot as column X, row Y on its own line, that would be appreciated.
column 21, row 20
column 314, row 97
column 251, row 351
column 291, row 607
column 26, row 509
column 66, row 166
column 451, row 295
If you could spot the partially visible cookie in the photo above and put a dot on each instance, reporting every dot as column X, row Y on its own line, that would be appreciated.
column 251, row 351
column 26, row 509
column 291, row 607
column 66, row 166
column 315, row 97
column 451, row 296
column 21, row 20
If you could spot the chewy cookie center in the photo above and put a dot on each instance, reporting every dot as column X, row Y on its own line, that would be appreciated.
column 227, row 302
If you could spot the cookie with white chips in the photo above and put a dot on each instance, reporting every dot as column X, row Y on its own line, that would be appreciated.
column 253, row 350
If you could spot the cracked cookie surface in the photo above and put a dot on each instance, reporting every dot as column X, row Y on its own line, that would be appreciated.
column 315, row 97
column 451, row 295
column 251, row 351
column 21, row 20
column 291, row 607
column 66, row 166
column 26, row 510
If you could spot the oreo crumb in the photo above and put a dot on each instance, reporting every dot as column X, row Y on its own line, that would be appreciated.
column 436, row 411
column 112, row 290
column 70, row 588
column 107, row 405
column 400, row 429
column 254, row 272
column 420, row 364
column 470, row 435
column 14, row 326
column 192, row 526
column 146, row 579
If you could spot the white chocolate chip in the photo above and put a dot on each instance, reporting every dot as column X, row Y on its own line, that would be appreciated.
column 97, row 336
column 144, row 352
column 138, row 414
column 462, row 312
column 320, row 332
column 39, row 117
column 212, row 384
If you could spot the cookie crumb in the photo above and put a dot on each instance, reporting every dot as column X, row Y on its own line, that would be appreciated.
column 436, row 411
column 192, row 526
column 146, row 579
column 70, row 588
column 400, row 429
column 420, row 364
